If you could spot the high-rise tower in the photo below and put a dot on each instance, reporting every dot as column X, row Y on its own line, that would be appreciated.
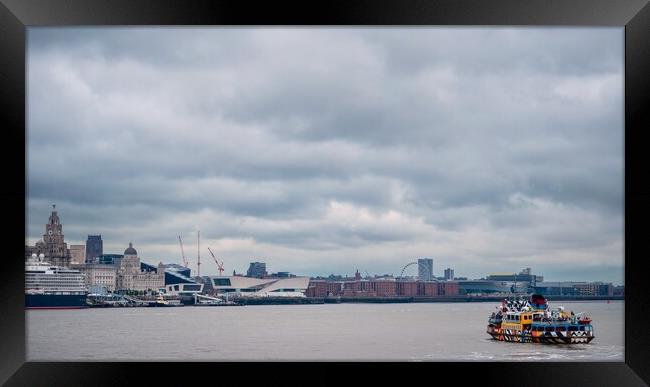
column 425, row 269
column 94, row 248
column 449, row 274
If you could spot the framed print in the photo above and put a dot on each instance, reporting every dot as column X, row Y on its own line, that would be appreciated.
column 421, row 188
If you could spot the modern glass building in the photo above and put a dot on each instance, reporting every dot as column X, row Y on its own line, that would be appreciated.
column 425, row 269
column 257, row 270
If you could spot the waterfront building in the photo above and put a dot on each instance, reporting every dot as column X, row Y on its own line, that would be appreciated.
column 426, row 288
column 131, row 277
column 569, row 288
column 381, row 287
column 258, row 287
column 425, row 269
column 356, row 287
column 174, row 274
column 596, row 289
column 522, row 279
column 429, row 288
column 53, row 245
column 177, row 272
column 449, row 274
column 407, row 288
column 385, row 287
column 99, row 275
column 94, row 248
column 347, row 288
column 77, row 254
column 257, row 270
column 619, row 290
column 600, row 288
column 448, row 288
column 482, row 287
column 369, row 288
column 183, row 289
column 324, row 288
column 177, row 281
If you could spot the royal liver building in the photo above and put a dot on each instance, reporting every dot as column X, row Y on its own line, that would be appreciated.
column 53, row 245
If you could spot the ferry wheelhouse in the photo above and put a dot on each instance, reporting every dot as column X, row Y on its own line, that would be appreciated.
column 532, row 321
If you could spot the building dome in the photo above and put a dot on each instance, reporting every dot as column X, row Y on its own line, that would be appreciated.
column 130, row 250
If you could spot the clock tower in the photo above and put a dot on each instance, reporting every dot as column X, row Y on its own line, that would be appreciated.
column 56, row 250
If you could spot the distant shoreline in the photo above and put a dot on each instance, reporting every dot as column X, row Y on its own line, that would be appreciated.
column 372, row 300
column 400, row 300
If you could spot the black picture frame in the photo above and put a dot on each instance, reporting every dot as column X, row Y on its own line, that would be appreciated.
column 634, row 15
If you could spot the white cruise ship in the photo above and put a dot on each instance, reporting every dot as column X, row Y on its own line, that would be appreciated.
column 53, row 287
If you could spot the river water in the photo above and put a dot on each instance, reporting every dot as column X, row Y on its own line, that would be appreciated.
column 383, row 332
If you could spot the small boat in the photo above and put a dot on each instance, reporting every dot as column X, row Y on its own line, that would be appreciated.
column 161, row 301
column 532, row 321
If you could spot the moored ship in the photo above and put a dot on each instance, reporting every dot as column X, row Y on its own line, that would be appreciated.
column 53, row 287
column 533, row 321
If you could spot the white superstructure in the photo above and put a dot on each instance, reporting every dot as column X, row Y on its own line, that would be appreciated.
column 260, row 287
column 45, row 278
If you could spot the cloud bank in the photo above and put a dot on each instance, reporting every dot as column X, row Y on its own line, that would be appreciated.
column 325, row 150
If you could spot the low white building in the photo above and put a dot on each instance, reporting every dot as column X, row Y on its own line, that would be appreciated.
column 259, row 287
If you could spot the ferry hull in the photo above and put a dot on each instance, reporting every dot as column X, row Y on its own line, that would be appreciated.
column 160, row 305
column 532, row 321
column 545, row 338
column 55, row 301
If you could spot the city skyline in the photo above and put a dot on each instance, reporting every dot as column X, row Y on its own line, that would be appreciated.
column 323, row 151
column 192, row 265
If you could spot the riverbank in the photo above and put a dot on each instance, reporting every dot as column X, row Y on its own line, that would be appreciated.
column 469, row 299
column 361, row 300
column 385, row 300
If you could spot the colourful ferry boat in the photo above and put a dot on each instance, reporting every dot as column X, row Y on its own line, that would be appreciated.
column 532, row 321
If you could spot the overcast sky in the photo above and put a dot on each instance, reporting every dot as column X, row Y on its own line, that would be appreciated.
column 328, row 150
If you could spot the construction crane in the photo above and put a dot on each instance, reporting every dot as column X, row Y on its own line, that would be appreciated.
column 198, row 254
column 219, row 265
column 183, row 252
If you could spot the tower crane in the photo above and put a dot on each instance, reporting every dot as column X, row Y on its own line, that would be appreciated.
column 219, row 265
column 198, row 253
column 183, row 252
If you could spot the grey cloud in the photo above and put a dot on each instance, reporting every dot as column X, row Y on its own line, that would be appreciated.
column 284, row 137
